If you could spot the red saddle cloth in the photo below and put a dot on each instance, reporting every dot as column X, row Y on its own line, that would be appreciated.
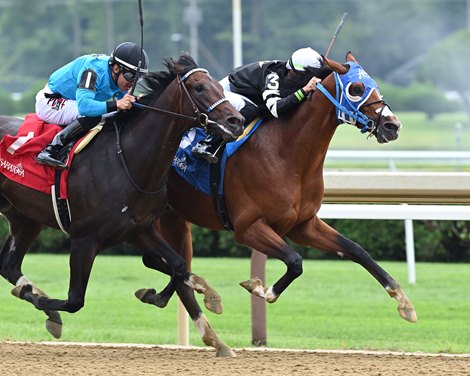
column 17, row 155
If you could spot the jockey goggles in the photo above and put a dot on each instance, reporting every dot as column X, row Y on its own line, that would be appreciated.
column 129, row 76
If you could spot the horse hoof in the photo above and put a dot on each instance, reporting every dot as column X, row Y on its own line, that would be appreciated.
column 254, row 286
column 225, row 352
column 214, row 304
column 142, row 294
column 251, row 284
column 17, row 291
column 54, row 328
column 408, row 313
column 150, row 296
column 212, row 299
column 159, row 302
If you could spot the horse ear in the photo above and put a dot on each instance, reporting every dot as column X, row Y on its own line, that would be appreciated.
column 337, row 67
column 350, row 57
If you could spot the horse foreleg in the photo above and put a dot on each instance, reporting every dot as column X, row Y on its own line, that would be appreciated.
column 23, row 231
column 157, row 254
column 207, row 333
column 265, row 240
column 318, row 234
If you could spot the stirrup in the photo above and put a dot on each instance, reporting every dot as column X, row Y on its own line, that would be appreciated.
column 204, row 154
column 46, row 159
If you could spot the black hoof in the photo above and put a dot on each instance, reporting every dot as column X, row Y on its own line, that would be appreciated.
column 150, row 296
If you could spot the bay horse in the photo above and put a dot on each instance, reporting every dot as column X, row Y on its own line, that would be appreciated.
column 273, row 185
column 117, row 188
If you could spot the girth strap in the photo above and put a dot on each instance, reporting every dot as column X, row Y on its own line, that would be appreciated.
column 218, row 199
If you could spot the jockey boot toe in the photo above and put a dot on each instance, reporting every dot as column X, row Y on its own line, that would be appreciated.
column 45, row 158
column 202, row 151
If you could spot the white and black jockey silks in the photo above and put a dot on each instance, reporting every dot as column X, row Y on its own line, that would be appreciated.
column 260, row 82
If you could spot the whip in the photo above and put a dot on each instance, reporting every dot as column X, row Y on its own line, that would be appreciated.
column 141, row 19
column 335, row 35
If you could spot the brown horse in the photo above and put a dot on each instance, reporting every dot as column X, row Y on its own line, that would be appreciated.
column 116, row 190
column 273, row 185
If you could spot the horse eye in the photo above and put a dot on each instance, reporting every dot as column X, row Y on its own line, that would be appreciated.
column 355, row 91
column 199, row 88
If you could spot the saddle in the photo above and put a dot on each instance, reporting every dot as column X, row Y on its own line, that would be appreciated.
column 17, row 162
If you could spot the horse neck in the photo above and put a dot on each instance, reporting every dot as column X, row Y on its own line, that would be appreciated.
column 155, row 138
column 310, row 129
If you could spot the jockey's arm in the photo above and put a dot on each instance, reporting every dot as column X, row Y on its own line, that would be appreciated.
column 277, row 105
column 86, row 96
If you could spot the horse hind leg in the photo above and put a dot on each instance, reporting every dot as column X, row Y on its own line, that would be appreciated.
column 23, row 231
column 207, row 333
column 25, row 287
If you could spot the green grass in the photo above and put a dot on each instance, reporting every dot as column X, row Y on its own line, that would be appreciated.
column 333, row 305
column 417, row 133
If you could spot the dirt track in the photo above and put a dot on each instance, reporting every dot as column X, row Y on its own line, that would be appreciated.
column 64, row 359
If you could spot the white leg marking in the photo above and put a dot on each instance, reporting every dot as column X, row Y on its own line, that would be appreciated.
column 23, row 281
column 269, row 296
column 201, row 324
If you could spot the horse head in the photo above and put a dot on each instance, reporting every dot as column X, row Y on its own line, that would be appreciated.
column 205, row 98
column 359, row 102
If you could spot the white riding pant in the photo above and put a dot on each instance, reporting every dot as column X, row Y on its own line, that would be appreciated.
column 58, row 111
column 236, row 100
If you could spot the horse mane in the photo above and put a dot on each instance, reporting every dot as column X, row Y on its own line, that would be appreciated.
column 290, row 84
column 154, row 83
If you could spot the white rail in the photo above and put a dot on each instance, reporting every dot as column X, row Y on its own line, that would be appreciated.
column 456, row 158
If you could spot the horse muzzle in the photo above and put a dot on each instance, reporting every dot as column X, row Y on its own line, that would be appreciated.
column 229, row 128
column 387, row 131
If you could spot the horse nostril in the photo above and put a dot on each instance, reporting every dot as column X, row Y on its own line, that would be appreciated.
column 236, row 120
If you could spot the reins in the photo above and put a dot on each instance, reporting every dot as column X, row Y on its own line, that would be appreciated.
column 201, row 119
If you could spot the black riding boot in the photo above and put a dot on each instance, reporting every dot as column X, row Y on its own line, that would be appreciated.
column 51, row 155
column 207, row 148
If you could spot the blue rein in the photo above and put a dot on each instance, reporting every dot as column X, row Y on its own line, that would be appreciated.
column 342, row 111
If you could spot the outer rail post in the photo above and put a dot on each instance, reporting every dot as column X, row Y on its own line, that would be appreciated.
column 258, row 305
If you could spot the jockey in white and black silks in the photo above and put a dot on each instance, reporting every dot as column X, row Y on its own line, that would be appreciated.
column 269, row 89
column 79, row 93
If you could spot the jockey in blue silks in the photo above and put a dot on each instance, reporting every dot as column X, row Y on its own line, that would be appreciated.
column 79, row 93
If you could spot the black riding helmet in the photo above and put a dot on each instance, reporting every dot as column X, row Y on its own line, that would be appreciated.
column 127, row 56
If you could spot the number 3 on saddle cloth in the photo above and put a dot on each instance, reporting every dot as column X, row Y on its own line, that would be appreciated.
column 17, row 163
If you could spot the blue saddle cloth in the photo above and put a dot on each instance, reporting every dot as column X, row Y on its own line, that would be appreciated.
column 196, row 171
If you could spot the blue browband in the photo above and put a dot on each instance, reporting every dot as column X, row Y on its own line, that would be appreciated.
column 348, row 111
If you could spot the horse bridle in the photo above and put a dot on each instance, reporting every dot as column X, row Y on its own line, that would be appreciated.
column 369, row 125
column 201, row 119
